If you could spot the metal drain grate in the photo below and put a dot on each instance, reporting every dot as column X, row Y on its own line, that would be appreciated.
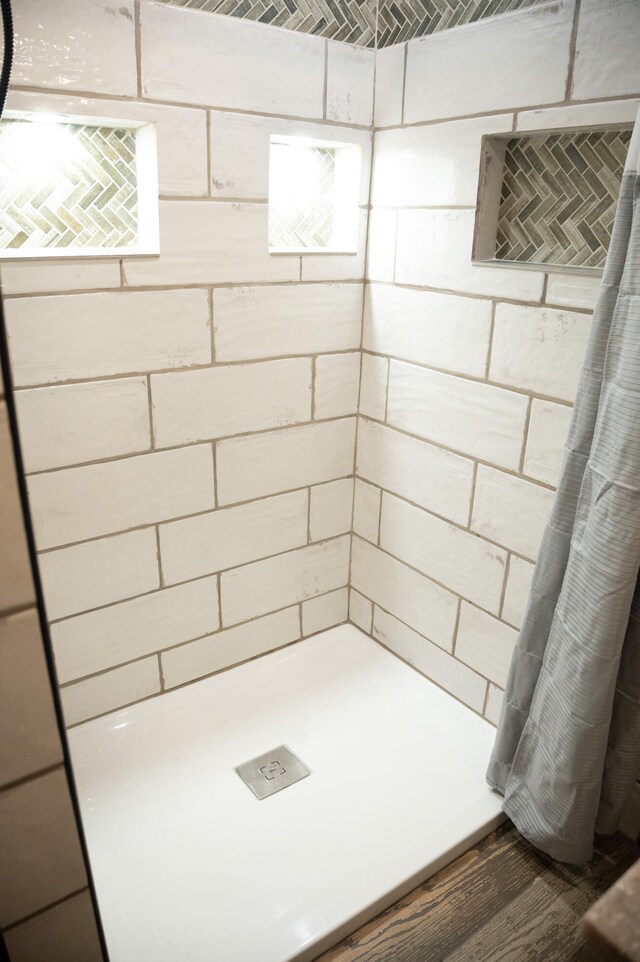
column 273, row 771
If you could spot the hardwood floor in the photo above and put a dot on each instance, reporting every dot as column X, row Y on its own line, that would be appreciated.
column 503, row 901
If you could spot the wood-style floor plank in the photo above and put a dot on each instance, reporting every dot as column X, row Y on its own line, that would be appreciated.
column 502, row 901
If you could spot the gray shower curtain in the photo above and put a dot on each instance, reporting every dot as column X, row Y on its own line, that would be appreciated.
column 567, row 751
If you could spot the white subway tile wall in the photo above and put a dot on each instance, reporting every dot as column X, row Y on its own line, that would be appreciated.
column 469, row 372
column 188, row 420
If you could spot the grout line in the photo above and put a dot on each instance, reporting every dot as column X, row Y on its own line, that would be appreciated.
column 152, row 432
column 492, row 325
column 212, row 325
column 507, row 571
column 161, row 579
column 160, row 673
column 456, row 627
column 572, row 51
column 33, row 776
column 525, row 437
column 472, row 496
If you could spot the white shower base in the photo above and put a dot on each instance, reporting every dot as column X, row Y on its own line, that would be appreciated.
column 190, row 867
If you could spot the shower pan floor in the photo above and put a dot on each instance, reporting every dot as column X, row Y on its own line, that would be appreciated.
column 190, row 866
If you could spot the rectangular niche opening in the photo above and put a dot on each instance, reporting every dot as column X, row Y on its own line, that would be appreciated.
column 548, row 198
column 72, row 188
column 313, row 196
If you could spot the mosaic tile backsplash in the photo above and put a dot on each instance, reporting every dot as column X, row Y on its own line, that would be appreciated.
column 559, row 197
column 66, row 186
column 366, row 23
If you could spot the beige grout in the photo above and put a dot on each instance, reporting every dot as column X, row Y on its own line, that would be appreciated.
column 138, row 46
column 572, row 51
column 23, row 920
column 162, row 583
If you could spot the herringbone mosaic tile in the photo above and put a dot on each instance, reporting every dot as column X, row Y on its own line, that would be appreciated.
column 559, row 195
column 301, row 208
column 356, row 21
column 350, row 20
column 66, row 185
column 400, row 20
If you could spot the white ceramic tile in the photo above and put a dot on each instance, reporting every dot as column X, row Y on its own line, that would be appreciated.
column 573, row 290
column 436, row 664
column 331, row 698
column 76, row 45
column 41, row 857
column 457, row 559
column 360, row 610
column 484, row 643
column 539, row 349
column 373, row 387
column 63, row 933
column 389, row 85
column 381, row 250
column 511, row 511
column 434, row 250
column 261, row 322
column 16, row 585
column 366, row 511
column 284, row 580
column 100, row 572
column 30, row 739
column 111, row 690
column 337, row 384
column 252, row 467
column 331, row 509
column 606, row 59
column 91, row 335
column 578, row 115
column 406, row 594
column 230, row 647
column 494, row 704
column 474, row 418
column 439, row 330
column 338, row 267
column 350, row 73
column 432, row 478
column 181, row 137
column 325, row 612
column 189, row 56
column 433, row 165
column 221, row 401
column 232, row 536
column 112, row 636
column 517, row 594
column 519, row 59
column 75, row 423
column 32, row 277
column 240, row 146
column 205, row 242
column 130, row 493
column 548, row 427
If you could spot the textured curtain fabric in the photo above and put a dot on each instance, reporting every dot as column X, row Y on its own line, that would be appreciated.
column 567, row 751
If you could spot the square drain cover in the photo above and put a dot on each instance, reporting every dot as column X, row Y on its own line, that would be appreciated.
column 273, row 771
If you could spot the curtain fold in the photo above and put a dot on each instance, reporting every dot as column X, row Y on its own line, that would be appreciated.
column 567, row 751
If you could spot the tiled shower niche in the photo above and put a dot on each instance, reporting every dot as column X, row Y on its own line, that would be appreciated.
column 76, row 188
column 550, row 198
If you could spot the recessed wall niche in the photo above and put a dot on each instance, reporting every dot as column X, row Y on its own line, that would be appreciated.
column 549, row 198
column 313, row 196
column 70, row 187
